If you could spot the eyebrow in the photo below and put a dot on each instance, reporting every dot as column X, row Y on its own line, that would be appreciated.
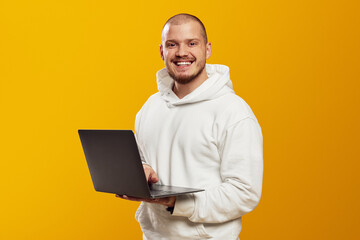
column 186, row 40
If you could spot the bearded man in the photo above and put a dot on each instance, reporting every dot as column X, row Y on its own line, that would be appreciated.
column 195, row 132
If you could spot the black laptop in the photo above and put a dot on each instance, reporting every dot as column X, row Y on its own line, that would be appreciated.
column 115, row 165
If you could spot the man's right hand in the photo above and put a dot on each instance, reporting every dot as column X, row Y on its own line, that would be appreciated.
column 151, row 177
column 150, row 174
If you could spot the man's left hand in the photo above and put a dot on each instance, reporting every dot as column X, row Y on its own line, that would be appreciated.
column 166, row 201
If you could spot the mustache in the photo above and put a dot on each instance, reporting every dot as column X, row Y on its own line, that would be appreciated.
column 183, row 59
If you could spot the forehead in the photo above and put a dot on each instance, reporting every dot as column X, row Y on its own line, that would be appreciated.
column 182, row 31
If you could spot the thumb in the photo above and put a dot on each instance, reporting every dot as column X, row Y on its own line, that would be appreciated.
column 153, row 178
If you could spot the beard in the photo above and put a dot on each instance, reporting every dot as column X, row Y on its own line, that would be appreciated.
column 185, row 79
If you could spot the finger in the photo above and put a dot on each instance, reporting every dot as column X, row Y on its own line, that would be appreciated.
column 133, row 198
column 121, row 196
column 147, row 175
column 153, row 177
column 125, row 197
column 147, row 170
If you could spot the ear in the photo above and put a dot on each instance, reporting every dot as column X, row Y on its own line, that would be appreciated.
column 208, row 50
column 161, row 52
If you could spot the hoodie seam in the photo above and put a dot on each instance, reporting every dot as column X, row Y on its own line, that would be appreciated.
column 232, row 125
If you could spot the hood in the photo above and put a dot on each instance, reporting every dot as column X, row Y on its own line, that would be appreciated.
column 216, row 85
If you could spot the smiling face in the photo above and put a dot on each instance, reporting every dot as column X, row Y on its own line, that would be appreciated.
column 184, row 51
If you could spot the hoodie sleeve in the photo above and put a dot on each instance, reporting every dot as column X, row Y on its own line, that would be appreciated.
column 241, row 172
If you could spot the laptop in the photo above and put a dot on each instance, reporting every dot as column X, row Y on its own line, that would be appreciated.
column 115, row 165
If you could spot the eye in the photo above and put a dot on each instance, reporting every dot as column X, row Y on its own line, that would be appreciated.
column 192, row 43
column 171, row 45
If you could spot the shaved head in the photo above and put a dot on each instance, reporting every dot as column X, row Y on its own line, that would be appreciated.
column 180, row 19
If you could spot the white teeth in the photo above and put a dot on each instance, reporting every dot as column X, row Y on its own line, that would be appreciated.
column 183, row 63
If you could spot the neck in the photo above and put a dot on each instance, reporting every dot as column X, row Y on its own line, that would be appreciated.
column 181, row 90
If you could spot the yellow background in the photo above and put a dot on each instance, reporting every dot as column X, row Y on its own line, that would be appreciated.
column 66, row 65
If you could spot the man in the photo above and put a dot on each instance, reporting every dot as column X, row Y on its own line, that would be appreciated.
column 195, row 132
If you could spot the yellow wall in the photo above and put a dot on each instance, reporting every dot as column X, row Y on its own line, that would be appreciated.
column 67, row 64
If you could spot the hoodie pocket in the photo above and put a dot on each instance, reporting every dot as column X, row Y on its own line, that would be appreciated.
column 157, row 223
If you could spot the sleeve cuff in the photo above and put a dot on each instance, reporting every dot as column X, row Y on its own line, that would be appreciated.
column 184, row 205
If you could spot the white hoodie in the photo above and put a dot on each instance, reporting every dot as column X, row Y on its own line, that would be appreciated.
column 209, row 139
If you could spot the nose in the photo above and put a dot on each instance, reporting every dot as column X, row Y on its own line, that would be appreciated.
column 181, row 51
